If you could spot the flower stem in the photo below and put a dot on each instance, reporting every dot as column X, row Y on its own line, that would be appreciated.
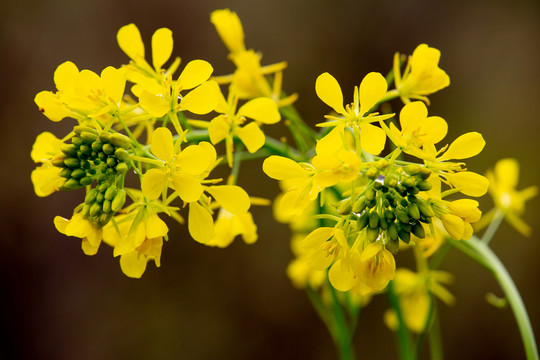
column 493, row 226
column 405, row 346
column 343, row 338
column 478, row 249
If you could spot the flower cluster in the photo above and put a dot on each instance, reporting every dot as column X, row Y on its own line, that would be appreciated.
column 141, row 119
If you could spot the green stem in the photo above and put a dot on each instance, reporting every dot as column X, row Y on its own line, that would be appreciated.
column 434, row 334
column 493, row 226
column 404, row 339
column 510, row 290
column 343, row 338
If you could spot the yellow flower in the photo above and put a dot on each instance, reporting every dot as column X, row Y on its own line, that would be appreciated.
column 263, row 110
column 375, row 266
column 417, row 129
column 356, row 115
column 227, row 226
column 413, row 290
column 80, row 227
column 300, row 273
column 158, row 94
column 422, row 76
column 82, row 93
column 503, row 182
column 454, row 173
column 46, row 178
column 137, row 237
column 248, row 80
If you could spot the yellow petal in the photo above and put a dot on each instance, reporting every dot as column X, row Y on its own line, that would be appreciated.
column 372, row 138
column 412, row 116
column 162, row 46
column 113, row 82
column 194, row 74
column 465, row 146
column 188, row 187
column 133, row 264
column 193, row 160
column 331, row 143
column 341, row 277
column 45, row 147
column 218, row 129
column 162, row 143
column 454, row 225
column 372, row 89
column 88, row 248
column 469, row 183
column 466, row 209
column 507, row 173
column 261, row 109
column 46, row 180
column 317, row 237
column 229, row 29
column 156, row 105
column 60, row 224
column 252, row 136
column 434, row 128
column 202, row 99
column 329, row 91
column 153, row 183
column 65, row 75
column 282, row 168
column 232, row 198
column 49, row 104
column 200, row 223
column 155, row 227
column 129, row 40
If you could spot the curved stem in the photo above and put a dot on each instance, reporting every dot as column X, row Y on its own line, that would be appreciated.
column 478, row 250
column 343, row 339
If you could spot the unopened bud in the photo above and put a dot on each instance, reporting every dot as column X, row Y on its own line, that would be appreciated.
column 122, row 154
column 372, row 173
column 119, row 200
column 91, row 196
column 120, row 140
column 372, row 234
column 414, row 212
column 412, row 169
column 424, row 185
column 70, row 150
column 359, row 204
column 418, row 230
column 88, row 137
column 108, row 149
column 95, row 209
column 373, row 220
column 122, row 168
column 110, row 192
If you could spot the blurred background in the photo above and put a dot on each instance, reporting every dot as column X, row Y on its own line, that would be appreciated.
column 237, row 303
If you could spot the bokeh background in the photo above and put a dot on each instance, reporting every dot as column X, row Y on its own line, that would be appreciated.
column 236, row 303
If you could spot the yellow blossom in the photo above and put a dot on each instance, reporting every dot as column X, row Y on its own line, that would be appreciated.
column 227, row 226
column 422, row 76
column 46, row 178
column 502, row 187
column 80, row 227
column 356, row 115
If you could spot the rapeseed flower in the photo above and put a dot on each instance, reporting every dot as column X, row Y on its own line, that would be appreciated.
column 80, row 227
column 46, row 178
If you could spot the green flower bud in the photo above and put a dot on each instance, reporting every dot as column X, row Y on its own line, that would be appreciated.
column 72, row 163
column 70, row 150
column 108, row 149
column 122, row 168
column 404, row 236
column 85, row 210
column 85, row 149
column 106, row 206
column 370, row 194
column 88, row 137
column 122, row 154
column 425, row 173
column 111, row 162
column 120, row 140
column 383, row 223
column 344, row 207
column 371, row 203
column 413, row 190
column 393, row 245
column 359, row 204
column 78, row 173
column 100, row 197
column 87, row 180
column 393, row 231
column 372, row 173
column 71, row 184
column 103, row 187
column 85, row 165
column 91, row 196
column 414, row 212
column 362, row 221
column 412, row 169
column 389, row 215
column 104, row 218
column 79, row 129
column 418, row 230
column 119, row 200
column 409, row 182
column 377, row 185
column 403, row 202
column 391, row 181
column 96, row 146
column 95, row 209
column 425, row 208
column 424, row 185
column 104, row 137
column 110, row 192
column 373, row 220
column 77, row 141
column 402, row 216
column 65, row 173
column 412, row 198
column 372, row 234
column 58, row 160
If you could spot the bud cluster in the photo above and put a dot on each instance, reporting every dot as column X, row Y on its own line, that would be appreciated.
column 391, row 206
column 102, row 157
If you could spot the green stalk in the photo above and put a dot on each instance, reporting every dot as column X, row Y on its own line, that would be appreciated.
column 493, row 226
column 511, row 292
column 434, row 334
column 404, row 339
column 343, row 338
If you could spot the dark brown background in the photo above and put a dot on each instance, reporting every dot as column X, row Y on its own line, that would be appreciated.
column 237, row 303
